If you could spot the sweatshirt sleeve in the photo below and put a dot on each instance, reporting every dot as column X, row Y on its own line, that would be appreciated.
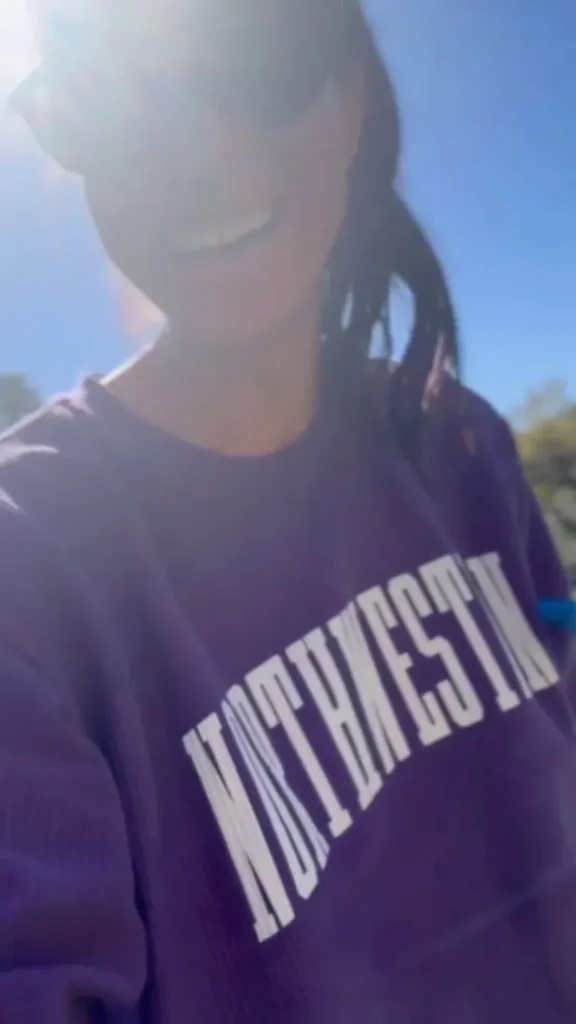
column 70, row 936
column 548, row 576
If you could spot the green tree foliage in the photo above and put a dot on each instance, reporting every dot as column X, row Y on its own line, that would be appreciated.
column 542, row 406
column 546, row 431
column 17, row 398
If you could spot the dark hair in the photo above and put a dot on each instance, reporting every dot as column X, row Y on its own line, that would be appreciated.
column 381, row 242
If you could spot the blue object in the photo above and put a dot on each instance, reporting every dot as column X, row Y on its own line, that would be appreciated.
column 559, row 613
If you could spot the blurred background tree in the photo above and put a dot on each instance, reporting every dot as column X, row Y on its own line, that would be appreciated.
column 18, row 398
column 546, row 433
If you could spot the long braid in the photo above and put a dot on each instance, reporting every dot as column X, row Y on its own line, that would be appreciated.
column 381, row 242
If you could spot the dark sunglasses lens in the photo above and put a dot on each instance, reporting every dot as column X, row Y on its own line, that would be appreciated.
column 280, row 62
column 273, row 58
column 274, row 95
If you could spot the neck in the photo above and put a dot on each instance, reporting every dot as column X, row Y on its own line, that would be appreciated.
column 251, row 400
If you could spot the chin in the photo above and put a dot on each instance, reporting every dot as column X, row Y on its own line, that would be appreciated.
column 247, row 296
column 230, row 320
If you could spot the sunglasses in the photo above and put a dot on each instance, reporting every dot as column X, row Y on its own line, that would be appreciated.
column 268, row 60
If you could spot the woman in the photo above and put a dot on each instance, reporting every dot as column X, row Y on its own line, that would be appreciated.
column 282, row 738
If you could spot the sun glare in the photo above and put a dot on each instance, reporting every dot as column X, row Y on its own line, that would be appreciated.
column 17, row 52
column 18, row 56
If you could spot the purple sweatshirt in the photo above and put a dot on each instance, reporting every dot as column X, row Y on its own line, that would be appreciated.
column 281, row 739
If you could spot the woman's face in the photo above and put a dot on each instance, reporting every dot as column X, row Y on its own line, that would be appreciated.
column 223, row 218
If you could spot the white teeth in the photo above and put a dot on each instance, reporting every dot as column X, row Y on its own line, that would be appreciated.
column 219, row 238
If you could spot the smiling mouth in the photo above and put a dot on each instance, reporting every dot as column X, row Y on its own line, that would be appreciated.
column 228, row 236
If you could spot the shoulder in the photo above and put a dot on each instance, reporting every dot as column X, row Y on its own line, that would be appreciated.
column 467, row 429
column 471, row 465
column 462, row 409
column 58, row 479
column 46, row 458
column 61, row 510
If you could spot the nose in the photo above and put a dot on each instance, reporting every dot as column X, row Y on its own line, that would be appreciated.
column 195, row 152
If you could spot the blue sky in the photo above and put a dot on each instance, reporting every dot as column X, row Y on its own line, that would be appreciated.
column 488, row 93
